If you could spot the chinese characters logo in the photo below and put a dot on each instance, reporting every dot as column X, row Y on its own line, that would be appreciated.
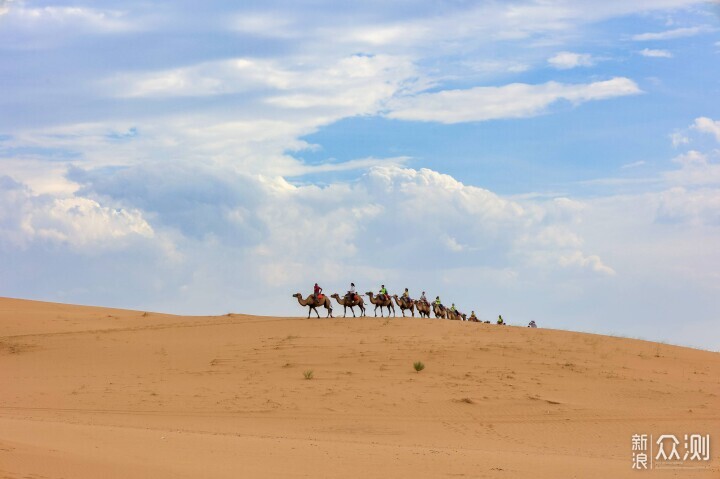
column 668, row 452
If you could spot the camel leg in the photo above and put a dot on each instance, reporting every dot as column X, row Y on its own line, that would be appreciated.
column 344, row 311
column 352, row 310
column 316, row 312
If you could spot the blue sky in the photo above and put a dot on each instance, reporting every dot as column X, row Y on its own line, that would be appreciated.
column 547, row 160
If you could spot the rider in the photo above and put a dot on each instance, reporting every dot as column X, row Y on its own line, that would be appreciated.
column 406, row 296
column 500, row 320
column 438, row 302
column 351, row 292
column 423, row 298
column 316, row 291
column 473, row 317
column 383, row 292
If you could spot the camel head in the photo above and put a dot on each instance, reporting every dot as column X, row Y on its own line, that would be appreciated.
column 369, row 293
column 335, row 295
column 297, row 295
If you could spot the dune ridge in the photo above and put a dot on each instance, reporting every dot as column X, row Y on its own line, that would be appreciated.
column 95, row 392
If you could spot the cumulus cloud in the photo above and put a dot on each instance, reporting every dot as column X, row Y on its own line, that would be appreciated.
column 694, row 207
column 516, row 100
column 696, row 168
column 288, row 228
column 648, row 52
column 568, row 60
column 74, row 221
column 707, row 125
column 673, row 34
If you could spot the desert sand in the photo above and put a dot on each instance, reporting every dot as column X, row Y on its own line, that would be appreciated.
column 90, row 392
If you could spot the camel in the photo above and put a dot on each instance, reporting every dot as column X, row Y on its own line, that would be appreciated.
column 313, row 304
column 423, row 308
column 455, row 315
column 387, row 303
column 440, row 311
column 404, row 304
column 351, row 303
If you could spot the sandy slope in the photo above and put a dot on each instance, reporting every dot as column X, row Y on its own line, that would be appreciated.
column 91, row 392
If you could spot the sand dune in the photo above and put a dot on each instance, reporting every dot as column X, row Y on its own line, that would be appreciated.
column 93, row 392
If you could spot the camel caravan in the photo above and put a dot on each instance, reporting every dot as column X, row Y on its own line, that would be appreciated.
column 384, row 300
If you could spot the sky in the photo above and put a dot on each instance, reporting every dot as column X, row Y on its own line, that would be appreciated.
column 547, row 160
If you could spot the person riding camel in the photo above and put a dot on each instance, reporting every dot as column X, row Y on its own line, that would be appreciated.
column 473, row 317
column 352, row 293
column 423, row 298
column 500, row 320
column 383, row 293
column 406, row 296
column 439, row 303
column 316, row 292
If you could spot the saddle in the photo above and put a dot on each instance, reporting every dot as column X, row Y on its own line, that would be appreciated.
column 352, row 297
column 321, row 297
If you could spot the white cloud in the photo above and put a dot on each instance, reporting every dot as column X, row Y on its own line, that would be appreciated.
column 679, row 138
column 672, row 34
column 691, row 158
column 68, row 19
column 696, row 207
column 355, row 75
column 516, row 100
column 411, row 213
column 707, row 125
column 647, row 52
column 592, row 262
column 76, row 221
column 568, row 60
column 634, row 164
column 696, row 168
column 212, row 78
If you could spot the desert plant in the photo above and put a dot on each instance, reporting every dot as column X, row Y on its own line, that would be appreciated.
column 308, row 374
column 419, row 366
